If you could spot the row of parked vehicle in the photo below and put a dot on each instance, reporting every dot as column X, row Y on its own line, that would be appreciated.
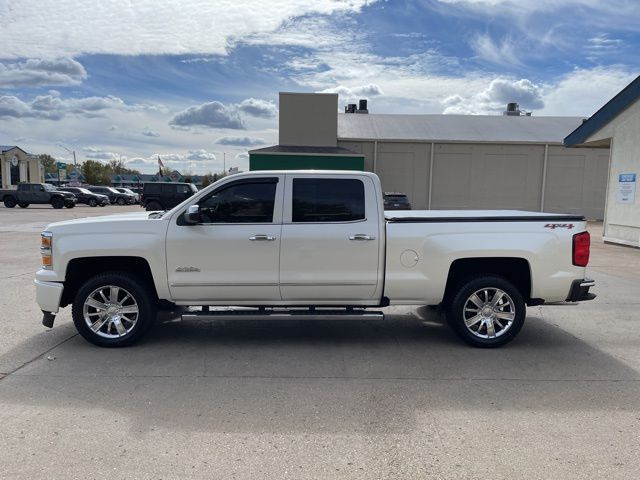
column 101, row 196
column 59, row 197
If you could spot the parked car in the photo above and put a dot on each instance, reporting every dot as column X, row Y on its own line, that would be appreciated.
column 294, row 241
column 114, row 195
column 87, row 197
column 396, row 201
column 164, row 196
column 37, row 193
column 128, row 191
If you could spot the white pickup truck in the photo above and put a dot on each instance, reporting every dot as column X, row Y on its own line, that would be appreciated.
column 308, row 244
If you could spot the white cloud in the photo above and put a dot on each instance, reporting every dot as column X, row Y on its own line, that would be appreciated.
column 579, row 93
column 149, row 133
column 240, row 141
column 495, row 96
column 38, row 73
column 583, row 91
column 139, row 162
column 210, row 114
column 147, row 26
column 258, row 108
column 504, row 53
column 351, row 94
column 54, row 107
column 200, row 155
column 95, row 153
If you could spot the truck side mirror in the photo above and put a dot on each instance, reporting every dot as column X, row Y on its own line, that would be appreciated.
column 192, row 215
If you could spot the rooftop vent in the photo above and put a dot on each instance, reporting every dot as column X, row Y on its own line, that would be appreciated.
column 513, row 110
column 351, row 108
column 361, row 107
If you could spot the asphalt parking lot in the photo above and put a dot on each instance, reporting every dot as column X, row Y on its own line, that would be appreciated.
column 400, row 398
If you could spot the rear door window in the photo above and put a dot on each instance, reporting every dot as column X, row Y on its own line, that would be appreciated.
column 327, row 200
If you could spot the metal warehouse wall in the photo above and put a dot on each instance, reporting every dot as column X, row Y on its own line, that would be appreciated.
column 491, row 176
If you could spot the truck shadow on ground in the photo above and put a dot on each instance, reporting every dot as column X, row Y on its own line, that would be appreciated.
column 330, row 377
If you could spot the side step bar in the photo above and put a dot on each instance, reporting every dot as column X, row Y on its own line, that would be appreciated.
column 255, row 314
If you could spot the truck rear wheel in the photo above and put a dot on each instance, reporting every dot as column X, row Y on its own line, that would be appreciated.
column 10, row 202
column 486, row 311
column 57, row 202
column 114, row 309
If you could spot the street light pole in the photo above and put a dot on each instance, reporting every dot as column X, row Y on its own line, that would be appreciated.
column 75, row 164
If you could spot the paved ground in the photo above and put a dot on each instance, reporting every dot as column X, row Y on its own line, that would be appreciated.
column 396, row 399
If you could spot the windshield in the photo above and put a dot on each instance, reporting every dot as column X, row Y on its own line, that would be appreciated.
column 126, row 190
column 49, row 188
column 112, row 190
column 83, row 190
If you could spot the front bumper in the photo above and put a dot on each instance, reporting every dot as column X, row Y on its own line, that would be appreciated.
column 48, row 295
column 579, row 291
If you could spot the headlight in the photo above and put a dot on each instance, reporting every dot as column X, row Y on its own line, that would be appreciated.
column 46, row 244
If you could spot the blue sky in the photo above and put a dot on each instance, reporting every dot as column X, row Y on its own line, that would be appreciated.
column 195, row 81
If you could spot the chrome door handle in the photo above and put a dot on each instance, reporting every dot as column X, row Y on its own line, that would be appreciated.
column 262, row 238
column 361, row 236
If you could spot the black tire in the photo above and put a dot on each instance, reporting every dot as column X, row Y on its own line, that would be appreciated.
column 10, row 202
column 120, row 201
column 103, row 204
column 138, row 290
column 92, row 202
column 153, row 206
column 490, row 326
column 23, row 205
column 70, row 205
column 57, row 202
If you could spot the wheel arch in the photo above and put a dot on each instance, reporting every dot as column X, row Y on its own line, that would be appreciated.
column 79, row 270
column 514, row 269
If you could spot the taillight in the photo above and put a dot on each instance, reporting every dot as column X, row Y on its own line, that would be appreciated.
column 581, row 245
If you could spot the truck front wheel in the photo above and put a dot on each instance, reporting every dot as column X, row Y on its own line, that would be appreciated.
column 486, row 311
column 57, row 202
column 114, row 309
column 23, row 205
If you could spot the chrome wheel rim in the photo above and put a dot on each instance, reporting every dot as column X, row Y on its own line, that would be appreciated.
column 110, row 311
column 489, row 313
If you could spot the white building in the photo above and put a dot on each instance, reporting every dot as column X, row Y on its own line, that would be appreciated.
column 444, row 161
column 616, row 128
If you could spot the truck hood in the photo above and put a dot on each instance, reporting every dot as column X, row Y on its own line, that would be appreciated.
column 115, row 218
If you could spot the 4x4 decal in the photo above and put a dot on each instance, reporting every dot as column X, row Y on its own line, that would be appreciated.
column 553, row 226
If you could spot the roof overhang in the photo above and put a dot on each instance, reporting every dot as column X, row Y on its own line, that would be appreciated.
column 306, row 151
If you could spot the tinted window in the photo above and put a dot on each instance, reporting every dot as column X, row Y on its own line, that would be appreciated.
column 327, row 200
column 151, row 187
column 240, row 203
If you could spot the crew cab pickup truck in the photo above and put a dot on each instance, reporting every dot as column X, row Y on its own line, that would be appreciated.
column 304, row 244
column 37, row 193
